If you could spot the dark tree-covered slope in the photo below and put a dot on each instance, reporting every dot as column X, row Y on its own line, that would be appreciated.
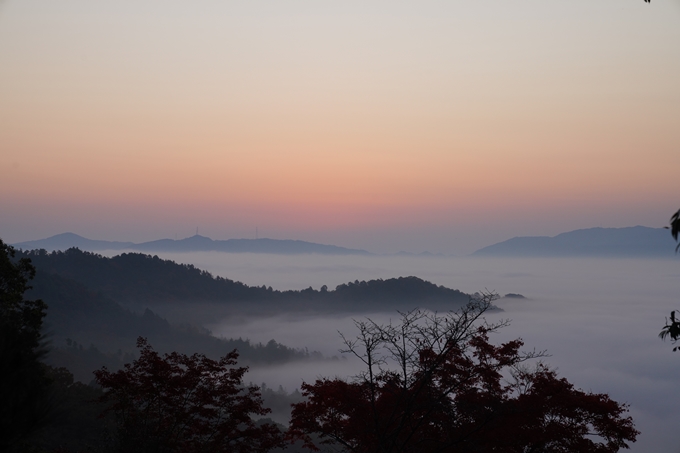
column 134, row 278
column 87, row 329
column 98, row 306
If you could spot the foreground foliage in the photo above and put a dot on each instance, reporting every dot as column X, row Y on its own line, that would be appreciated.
column 23, row 382
column 180, row 403
column 435, row 384
column 431, row 384
column 672, row 328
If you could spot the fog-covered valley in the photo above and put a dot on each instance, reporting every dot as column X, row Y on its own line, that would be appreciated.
column 597, row 318
column 190, row 179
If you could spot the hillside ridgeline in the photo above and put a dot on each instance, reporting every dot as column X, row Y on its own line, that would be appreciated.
column 196, row 243
column 632, row 242
column 98, row 306
column 136, row 279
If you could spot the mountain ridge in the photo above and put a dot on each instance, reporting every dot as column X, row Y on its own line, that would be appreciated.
column 137, row 278
column 196, row 243
column 637, row 241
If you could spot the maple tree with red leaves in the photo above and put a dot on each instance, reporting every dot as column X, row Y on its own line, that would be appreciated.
column 434, row 383
column 180, row 403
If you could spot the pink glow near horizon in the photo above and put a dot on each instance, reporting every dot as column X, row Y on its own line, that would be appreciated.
column 464, row 124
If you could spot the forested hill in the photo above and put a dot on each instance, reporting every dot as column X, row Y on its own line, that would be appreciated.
column 98, row 306
column 134, row 278
column 87, row 330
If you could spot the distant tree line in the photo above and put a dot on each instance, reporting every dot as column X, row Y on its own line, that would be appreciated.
column 132, row 278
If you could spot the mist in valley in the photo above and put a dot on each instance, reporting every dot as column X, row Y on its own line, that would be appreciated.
column 597, row 318
column 342, row 130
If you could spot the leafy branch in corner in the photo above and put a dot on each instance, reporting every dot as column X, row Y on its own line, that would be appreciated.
column 672, row 329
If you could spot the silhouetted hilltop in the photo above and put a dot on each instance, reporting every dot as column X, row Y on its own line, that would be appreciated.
column 195, row 243
column 66, row 241
column 635, row 241
column 138, row 279
column 399, row 290
column 95, row 300
column 78, row 318
column 276, row 246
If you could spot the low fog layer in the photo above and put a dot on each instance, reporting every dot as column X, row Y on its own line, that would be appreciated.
column 598, row 318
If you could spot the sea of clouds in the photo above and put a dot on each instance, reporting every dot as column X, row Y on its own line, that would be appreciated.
column 597, row 318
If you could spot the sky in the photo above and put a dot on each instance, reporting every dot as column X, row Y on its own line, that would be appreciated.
column 384, row 125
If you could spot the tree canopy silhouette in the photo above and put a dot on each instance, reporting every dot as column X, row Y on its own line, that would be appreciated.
column 672, row 328
column 180, row 403
column 434, row 383
column 675, row 227
column 23, row 383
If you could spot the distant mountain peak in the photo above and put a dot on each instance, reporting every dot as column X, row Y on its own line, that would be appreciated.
column 68, row 240
column 195, row 243
column 197, row 237
column 68, row 234
column 637, row 241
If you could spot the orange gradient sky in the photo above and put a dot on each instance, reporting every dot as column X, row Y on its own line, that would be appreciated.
column 432, row 125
